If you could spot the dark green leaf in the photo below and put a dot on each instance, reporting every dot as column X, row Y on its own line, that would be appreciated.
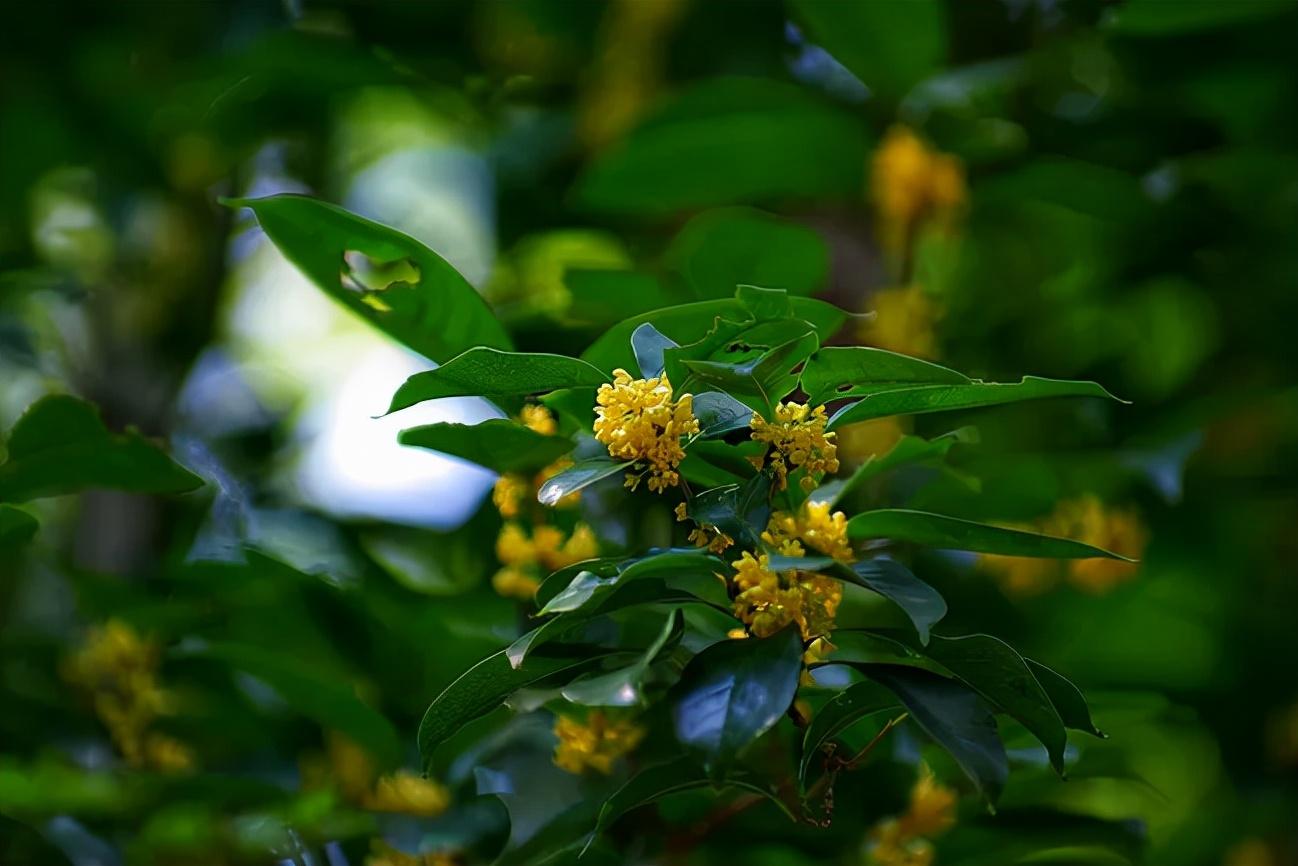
column 622, row 687
column 498, row 444
column 956, row 718
column 729, row 141
column 721, row 249
column 858, row 371
column 741, row 511
column 648, row 344
column 992, row 668
column 602, row 297
column 60, row 445
column 840, row 712
column 734, row 691
column 1157, row 18
column 17, row 527
column 909, row 451
column 488, row 372
column 892, row 580
column 434, row 311
column 1066, row 697
column 719, row 413
column 765, row 379
column 920, row 399
column 952, row 533
column 890, row 46
column 577, row 476
column 672, row 562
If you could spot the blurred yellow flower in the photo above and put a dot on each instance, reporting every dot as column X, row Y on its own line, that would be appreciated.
column 594, row 744
column 509, row 493
column 904, row 841
column 405, row 793
column 1250, row 852
column 382, row 854
column 815, row 527
column 905, row 321
column 796, row 439
column 515, row 583
column 538, row 419
column 513, row 547
column 638, row 420
column 911, row 183
column 865, row 440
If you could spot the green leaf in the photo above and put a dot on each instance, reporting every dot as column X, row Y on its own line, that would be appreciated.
column 764, row 379
column 840, row 712
column 436, row 312
column 488, row 372
column 952, row 533
column 909, row 451
column 728, row 141
column 956, row 718
column 1156, row 18
column 603, row 296
column 17, row 527
column 741, row 511
column 577, row 476
column 60, row 445
column 1066, row 697
column 733, row 692
column 498, row 444
column 922, row 603
column 920, row 399
column 314, row 693
column 623, row 687
column 721, row 249
column 862, row 648
column 889, row 46
column 483, row 688
column 648, row 344
column 992, row 668
column 679, row 562
column 718, row 414
column 857, row 371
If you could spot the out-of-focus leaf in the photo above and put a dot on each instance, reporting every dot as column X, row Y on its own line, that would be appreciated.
column 908, row 451
column 673, row 562
column 992, row 668
column 17, row 527
column 1066, row 697
column 729, row 141
column 952, row 533
column 853, row 703
column 21, row 845
column 602, row 297
column 920, row 399
column 485, row 686
column 648, row 344
column 438, row 314
column 765, row 379
column 60, row 445
column 733, row 692
column 718, row 414
column 577, row 476
column 858, row 371
column 488, row 372
column 922, row 603
column 497, row 444
column 956, row 718
column 890, row 46
column 742, row 511
column 622, row 687
column 721, row 249
column 1155, row 18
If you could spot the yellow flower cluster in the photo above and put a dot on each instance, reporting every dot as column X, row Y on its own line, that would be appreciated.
column 864, row 440
column 904, row 841
column 815, row 527
column 767, row 601
column 703, row 534
column 523, row 557
column 911, row 183
column 512, row 490
column 352, row 772
column 637, row 419
column 382, row 854
column 119, row 669
column 905, row 321
column 594, row 744
column 1084, row 519
column 796, row 439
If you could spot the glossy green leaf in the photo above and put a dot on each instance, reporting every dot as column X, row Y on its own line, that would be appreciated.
column 433, row 309
column 919, row 399
column 623, row 687
column 483, row 688
column 765, row 379
column 889, row 46
column 1066, row 697
column 498, row 444
column 729, row 141
column 724, row 248
column 718, row 414
column 603, row 296
column 578, row 476
column 838, row 714
column 955, row 717
column 662, row 563
column 909, row 451
column 733, row 692
column 857, row 371
column 487, row 372
column 17, row 527
column 648, row 345
column 861, row 647
column 992, row 668
column 741, row 511
column 922, row 604
column 60, row 446
column 952, row 533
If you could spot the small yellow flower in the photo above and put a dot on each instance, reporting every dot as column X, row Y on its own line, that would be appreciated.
column 538, row 419
column 382, row 854
column 815, row 527
column 513, row 582
column 704, row 535
column 580, row 546
column 932, row 807
column 509, row 493
column 910, row 183
column 767, row 601
column 167, row 754
column 350, row 767
column 796, row 439
column 514, row 548
column 405, row 793
column 637, row 419
column 1119, row 530
column 594, row 744
column 905, row 321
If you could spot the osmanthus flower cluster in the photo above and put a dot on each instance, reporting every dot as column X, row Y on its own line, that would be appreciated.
column 743, row 549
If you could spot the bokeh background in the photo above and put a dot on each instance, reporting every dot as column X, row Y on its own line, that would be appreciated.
column 1067, row 188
